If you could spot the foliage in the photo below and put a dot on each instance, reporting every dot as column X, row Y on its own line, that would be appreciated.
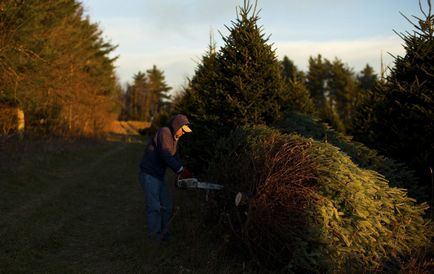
column 367, row 78
column 299, row 98
column 238, row 85
column 397, row 119
column 134, row 100
column 56, row 65
column 334, row 88
column 147, row 97
column 311, row 208
column 395, row 172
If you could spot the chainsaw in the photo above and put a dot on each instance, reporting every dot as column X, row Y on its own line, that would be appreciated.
column 195, row 183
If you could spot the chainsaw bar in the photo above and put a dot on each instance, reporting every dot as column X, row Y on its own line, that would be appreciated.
column 195, row 183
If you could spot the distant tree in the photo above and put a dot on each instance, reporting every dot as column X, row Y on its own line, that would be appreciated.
column 318, row 76
column 157, row 97
column 343, row 91
column 299, row 98
column 138, row 97
column 326, row 83
column 290, row 71
column 146, row 97
column 367, row 78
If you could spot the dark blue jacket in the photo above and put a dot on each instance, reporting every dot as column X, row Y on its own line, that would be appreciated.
column 161, row 150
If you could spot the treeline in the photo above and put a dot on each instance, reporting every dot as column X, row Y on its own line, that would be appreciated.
column 146, row 97
column 243, row 83
column 309, row 197
column 55, row 66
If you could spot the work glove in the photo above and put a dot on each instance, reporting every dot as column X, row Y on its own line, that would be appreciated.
column 185, row 174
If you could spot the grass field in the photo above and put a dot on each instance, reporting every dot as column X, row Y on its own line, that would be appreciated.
column 77, row 207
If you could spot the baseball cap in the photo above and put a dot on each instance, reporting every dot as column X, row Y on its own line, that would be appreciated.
column 185, row 128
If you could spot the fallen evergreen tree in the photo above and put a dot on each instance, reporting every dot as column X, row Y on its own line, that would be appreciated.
column 304, row 205
column 398, row 174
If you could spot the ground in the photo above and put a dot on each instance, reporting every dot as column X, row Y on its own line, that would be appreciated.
column 69, row 207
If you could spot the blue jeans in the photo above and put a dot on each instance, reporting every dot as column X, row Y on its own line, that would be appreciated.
column 158, row 206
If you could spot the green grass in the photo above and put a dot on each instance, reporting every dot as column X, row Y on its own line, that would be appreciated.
column 78, row 208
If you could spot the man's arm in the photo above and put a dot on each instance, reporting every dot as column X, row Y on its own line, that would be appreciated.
column 166, row 148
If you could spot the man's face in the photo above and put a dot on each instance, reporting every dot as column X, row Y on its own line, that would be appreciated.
column 179, row 133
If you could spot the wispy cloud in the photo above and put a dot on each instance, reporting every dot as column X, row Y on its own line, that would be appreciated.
column 355, row 53
column 180, row 63
column 174, row 34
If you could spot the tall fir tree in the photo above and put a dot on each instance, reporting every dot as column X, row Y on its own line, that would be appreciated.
column 250, row 73
column 401, row 122
column 241, row 84
column 158, row 93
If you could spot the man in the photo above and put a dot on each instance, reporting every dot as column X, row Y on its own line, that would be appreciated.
column 160, row 153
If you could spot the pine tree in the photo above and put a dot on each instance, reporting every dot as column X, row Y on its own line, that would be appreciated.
column 343, row 91
column 317, row 79
column 158, row 93
column 202, row 103
column 251, row 74
column 367, row 78
column 238, row 85
column 402, row 122
column 57, row 66
column 298, row 99
column 326, row 89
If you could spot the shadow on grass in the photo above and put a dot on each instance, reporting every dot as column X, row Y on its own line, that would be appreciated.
column 78, row 207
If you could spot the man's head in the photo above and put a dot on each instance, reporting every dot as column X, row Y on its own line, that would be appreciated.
column 179, row 125
column 181, row 131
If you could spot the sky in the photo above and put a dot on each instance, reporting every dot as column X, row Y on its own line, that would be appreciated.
column 175, row 34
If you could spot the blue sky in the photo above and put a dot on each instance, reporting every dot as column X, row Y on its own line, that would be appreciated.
column 174, row 34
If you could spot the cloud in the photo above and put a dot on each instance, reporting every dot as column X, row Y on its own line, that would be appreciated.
column 179, row 64
column 355, row 53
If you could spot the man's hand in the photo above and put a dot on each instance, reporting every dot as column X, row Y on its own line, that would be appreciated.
column 185, row 174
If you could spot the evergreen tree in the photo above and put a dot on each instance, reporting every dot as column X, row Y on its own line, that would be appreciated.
column 291, row 72
column 402, row 122
column 201, row 101
column 250, row 73
column 139, row 97
column 298, row 95
column 147, row 97
column 343, row 91
column 367, row 78
column 158, row 93
column 56, row 66
column 317, row 79
column 239, row 85
column 324, row 86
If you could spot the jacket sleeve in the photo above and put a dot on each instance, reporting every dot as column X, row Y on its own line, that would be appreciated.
column 166, row 148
